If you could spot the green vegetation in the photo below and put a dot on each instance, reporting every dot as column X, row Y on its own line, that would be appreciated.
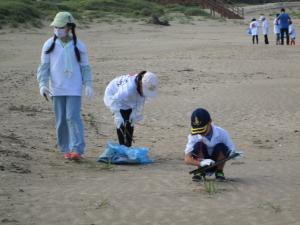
column 91, row 119
column 210, row 187
column 16, row 13
column 104, row 203
column 108, row 166
column 295, row 14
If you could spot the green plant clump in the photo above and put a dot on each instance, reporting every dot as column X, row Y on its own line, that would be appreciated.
column 210, row 187
column 196, row 11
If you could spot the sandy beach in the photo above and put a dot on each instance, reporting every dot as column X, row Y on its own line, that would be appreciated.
column 252, row 91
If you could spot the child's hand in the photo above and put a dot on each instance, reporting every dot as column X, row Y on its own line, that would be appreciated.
column 44, row 91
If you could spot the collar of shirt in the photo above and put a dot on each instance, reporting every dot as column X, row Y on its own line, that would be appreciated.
column 215, row 133
column 65, row 44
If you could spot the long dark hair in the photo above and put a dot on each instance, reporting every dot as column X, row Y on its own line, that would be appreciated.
column 77, row 53
column 51, row 48
column 138, row 78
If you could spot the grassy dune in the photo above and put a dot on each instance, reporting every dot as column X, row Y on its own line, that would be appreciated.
column 16, row 13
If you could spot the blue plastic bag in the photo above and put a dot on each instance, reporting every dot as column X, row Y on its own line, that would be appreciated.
column 121, row 154
column 249, row 31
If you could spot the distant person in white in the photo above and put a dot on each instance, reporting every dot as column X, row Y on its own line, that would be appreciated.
column 277, row 30
column 265, row 28
column 292, row 33
column 254, row 26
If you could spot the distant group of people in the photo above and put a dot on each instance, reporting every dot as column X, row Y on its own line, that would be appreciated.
column 283, row 28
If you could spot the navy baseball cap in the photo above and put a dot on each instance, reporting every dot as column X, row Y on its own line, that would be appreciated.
column 199, row 121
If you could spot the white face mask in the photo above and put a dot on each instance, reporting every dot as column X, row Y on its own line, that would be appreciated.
column 60, row 32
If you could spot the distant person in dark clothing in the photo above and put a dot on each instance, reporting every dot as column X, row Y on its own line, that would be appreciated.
column 284, row 21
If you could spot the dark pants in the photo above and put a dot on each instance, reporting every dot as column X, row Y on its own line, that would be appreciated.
column 255, row 37
column 286, row 31
column 266, row 39
column 277, row 38
column 200, row 150
column 125, row 132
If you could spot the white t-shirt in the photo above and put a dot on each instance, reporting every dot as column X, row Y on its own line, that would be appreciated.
column 254, row 25
column 63, row 82
column 121, row 93
column 219, row 135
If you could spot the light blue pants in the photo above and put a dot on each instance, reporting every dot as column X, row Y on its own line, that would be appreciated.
column 69, row 127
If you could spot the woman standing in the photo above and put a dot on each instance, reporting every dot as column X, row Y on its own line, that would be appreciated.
column 64, row 62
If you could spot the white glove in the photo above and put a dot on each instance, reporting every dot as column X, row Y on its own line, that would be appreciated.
column 206, row 162
column 89, row 91
column 118, row 119
column 44, row 91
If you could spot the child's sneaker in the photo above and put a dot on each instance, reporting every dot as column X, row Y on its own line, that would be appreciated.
column 75, row 156
column 67, row 155
column 197, row 177
column 220, row 175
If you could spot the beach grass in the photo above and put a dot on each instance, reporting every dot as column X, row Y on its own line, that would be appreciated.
column 210, row 187
column 15, row 13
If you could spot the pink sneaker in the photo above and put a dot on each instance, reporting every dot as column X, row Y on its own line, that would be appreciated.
column 75, row 156
column 67, row 155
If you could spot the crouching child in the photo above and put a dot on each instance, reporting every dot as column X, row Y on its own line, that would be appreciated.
column 207, row 144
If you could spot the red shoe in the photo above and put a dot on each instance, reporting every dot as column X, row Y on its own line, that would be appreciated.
column 75, row 156
column 67, row 155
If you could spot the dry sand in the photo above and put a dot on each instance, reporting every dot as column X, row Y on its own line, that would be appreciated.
column 252, row 91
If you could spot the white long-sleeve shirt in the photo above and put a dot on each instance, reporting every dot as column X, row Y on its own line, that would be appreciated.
column 219, row 135
column 254, row 26
column 121, row 93
column 64, row 71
